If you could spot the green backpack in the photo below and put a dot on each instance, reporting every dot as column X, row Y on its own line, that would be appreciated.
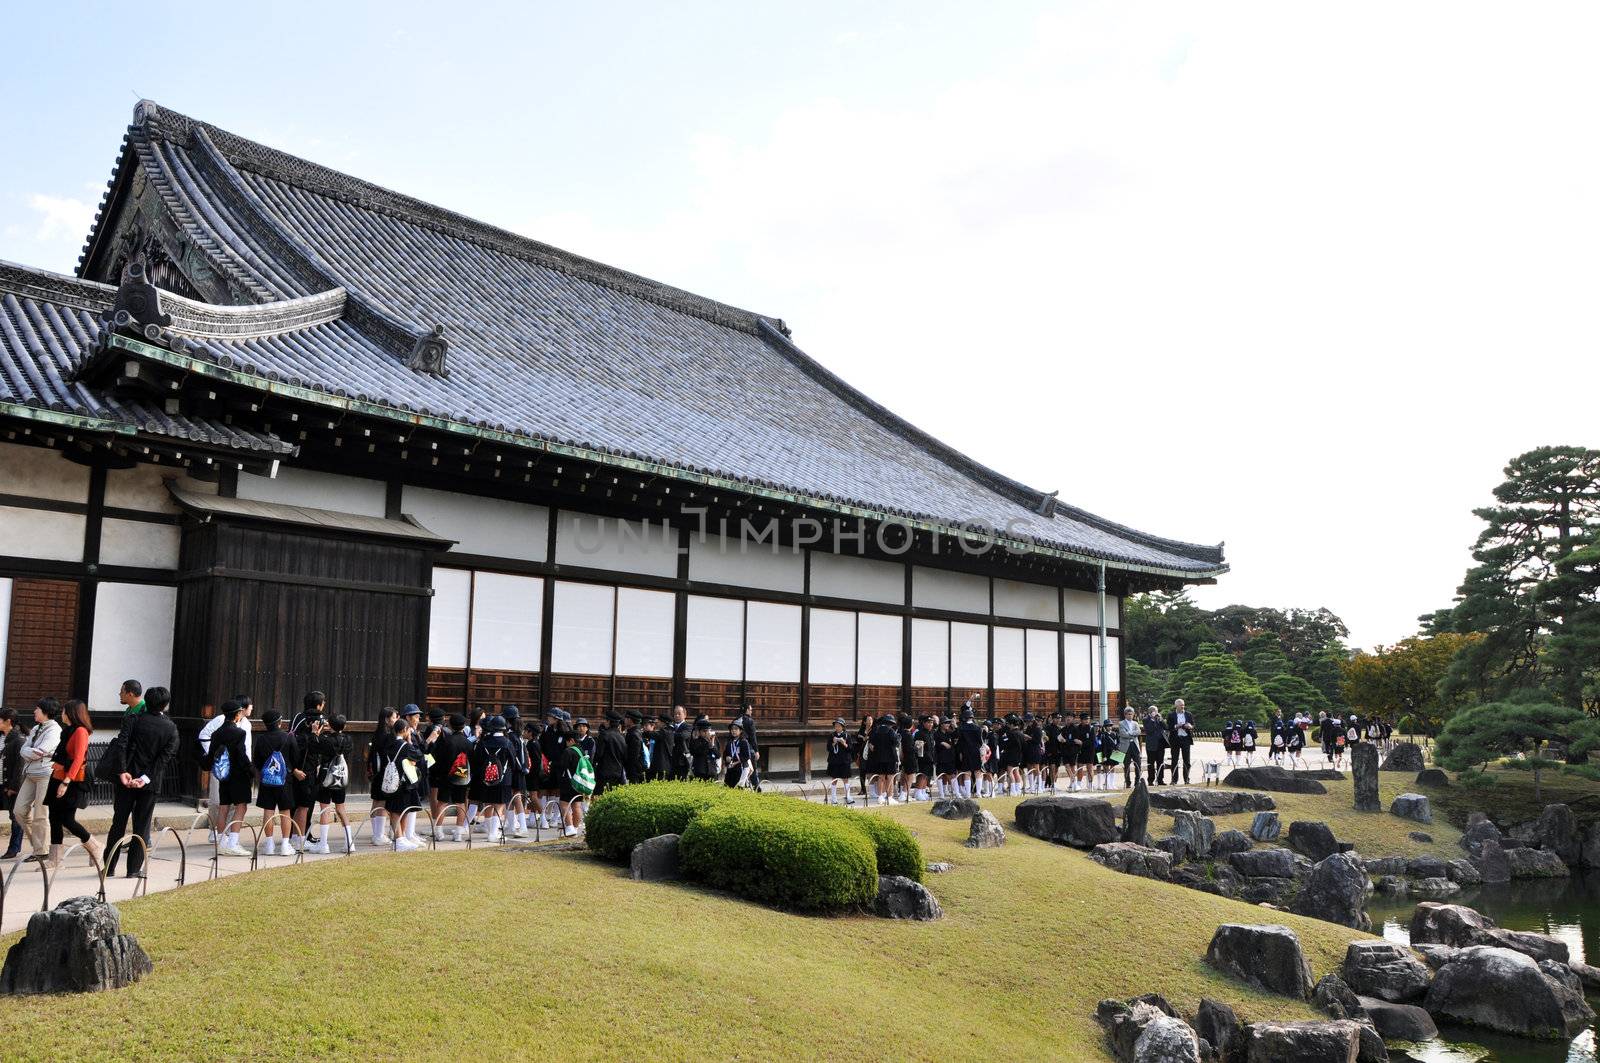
column 583, row 774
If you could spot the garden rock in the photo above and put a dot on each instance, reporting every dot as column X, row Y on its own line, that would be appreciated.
column 1131, row 859
column 1312, row 840
column 1336, row 1041
column 1405, row 756
column 1212, row 801
column 1587, row 975
column 1432, row 777
column 1399, row 1022
column 1427, row 867
column 939, row 867
column 1228, row 842
column 986, row 831
column 1218, row 1025
column 1195, row 829
column 1435, row 956
column 1364, row 768
column 1167, row 1040
column 1136, row 814
column 1078, row 820
column 1492, row 863
column 1174, row 847
column 1337, row 892
column 1386, row 865
column 1448, row 924
column 1432, row 888
column 1267, row 957
column 1534, row 946
column 1334, row 998
column 1414, row 807
column 1266, row 891
column 1395, row 884
column 1271, row 777
column 1479, row 833
column 901, row 898
column 954, row 807
column 77, row 947
column 1589, row 847
column 655, row 859
column 1127, row 1023
column 1384, row 970
column 1265, row 827
column 1264, row 863
column 1463, row 872
column 1503, row 990
column 1558, row 833
column 1535, row 863
column 1421, row 837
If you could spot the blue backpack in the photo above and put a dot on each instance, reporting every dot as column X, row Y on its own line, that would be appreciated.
column 221, row 766
column 276, row 770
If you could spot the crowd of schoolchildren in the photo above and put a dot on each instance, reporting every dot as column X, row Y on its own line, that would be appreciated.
column 1286, row 739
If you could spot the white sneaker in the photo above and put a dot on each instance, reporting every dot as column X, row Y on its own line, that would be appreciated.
column 235, row 850
column 319, row 848
column 570, row 832
column 286, row 848
column 211, row 837
column 519, row 832
column 402, row 845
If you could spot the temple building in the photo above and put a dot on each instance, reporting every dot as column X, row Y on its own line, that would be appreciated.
column 286, row 430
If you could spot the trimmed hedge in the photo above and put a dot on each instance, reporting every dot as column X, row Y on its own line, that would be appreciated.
column 778, row 853
column 622, row 818
column 897, row 851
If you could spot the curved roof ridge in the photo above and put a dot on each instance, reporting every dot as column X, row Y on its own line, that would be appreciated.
column 280, row 165
column 55, row 287
column 252, row 320
column 1198, row 551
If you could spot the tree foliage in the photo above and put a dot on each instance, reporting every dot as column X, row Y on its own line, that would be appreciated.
column 1215, row 688
column 1163, row 629
column 1293, row 694
column 1263, row 656
column 1403, row 680
column 1145, row 686
column 1496, row 729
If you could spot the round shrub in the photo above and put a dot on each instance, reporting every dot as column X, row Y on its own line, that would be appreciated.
column 779, row 854
column 897, row 851
column 622, row 818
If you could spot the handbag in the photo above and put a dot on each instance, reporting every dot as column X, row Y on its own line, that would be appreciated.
column 109, row 767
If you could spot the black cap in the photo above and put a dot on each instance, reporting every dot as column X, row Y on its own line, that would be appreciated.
column 613, row 716
column 271, row 718
column 702, row 720
column 635, row 715
column 510, row 712
column 436, row 714
column 580, row 722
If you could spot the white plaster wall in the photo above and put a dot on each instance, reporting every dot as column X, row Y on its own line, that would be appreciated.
column 930, row 653
column 1081, row 609
column 969, row 656
column 1025, row 601
column 581, row 639
column 1008, row 658
column 507, row 621
column 772, row 643
column 1044, row 651
column 489, row 526
column 1078, row 650
column 133, row 626
column 878, row 650
column 644, row 632
column 933, row 588
column 591, row 541
column 742, row 563
column 41, row 534
column 833, row 646
column 860, row 578
column 447, row 618
column 139, row 544
column 40, row 472
column 714, row 641
column 5, row 631
column 1113, row 657
column 316, row 490
column 144, row 487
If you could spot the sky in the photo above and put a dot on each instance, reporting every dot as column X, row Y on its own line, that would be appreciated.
column 1299, row 278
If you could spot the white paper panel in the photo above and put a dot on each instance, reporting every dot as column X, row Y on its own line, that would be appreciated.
column 969, row 657
column 1077, row 651
column 489, row 526
column 138, row 544
column 833, row 646
column 581, row 638
column 41, row 472
column 1113, row 674
column 644, row 632
column 1027, row 601
column 930, row 653
column 41, row 534
column 772, row 643
column 1081, row 608
column 447, row 618
column 132, row 640
column 318, row 490
column 1113, row 611
column 5, row 631
column 933, row 588
column 589, row 541
column 859, row 579
column 715, row 639
column 1008, row 658
column 1043, row 653
column 507, row 621
column 741, row 563
column 878, row 651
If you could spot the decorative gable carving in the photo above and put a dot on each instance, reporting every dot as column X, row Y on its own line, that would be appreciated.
column 428, row 354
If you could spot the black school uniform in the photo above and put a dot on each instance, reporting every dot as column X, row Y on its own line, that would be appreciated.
column 452, row 760
column 735, row 755
column 409, row 794
column 839, row 755
column 275, row 797
column 335, row 744
column 1033, row 745
column 946, row 752
column 235, row 789
column 970, row 746
column 703, row 757
column 497, row 750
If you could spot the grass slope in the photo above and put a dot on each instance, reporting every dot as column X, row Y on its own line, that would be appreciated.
column 491, row 954
column 1511, row 800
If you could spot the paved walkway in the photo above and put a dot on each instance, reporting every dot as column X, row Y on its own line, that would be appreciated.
column 25, row 886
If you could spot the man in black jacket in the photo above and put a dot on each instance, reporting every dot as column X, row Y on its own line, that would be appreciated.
column 747, row 725
column 1180, row 737
column 634, row 738
column 610, row 755
column 149, row 741
column 679, row 732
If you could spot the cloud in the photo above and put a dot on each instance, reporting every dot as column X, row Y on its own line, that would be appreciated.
column 61, row 217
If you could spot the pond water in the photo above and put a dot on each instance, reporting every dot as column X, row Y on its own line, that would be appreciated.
column 1568, row 909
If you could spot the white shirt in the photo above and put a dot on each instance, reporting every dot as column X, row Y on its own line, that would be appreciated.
column 38, row 747
column 210, row 729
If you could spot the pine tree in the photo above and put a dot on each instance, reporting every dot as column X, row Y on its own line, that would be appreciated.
column 1215, row 688
column 1263, row 656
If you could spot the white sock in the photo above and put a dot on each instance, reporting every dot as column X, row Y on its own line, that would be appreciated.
column 233, row 839
column 494, row 826
column 409, row 824
column 271, row 848
column 377, row 830
column 472, row 813
column 322, row 834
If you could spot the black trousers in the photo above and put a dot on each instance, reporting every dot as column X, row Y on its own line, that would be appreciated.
column 64, row 814
column 141, row 806
column 1180, row 749
column 1156, row 766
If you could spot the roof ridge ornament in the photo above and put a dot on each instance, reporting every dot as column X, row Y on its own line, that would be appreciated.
column 1047, row 504
column 137, row 309
column 427, row 356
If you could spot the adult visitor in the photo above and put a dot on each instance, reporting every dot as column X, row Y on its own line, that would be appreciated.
column 10, row 776
column 149, row 742
column 40, row 745
column 1129, row 731
column 1155, row 746
column 1180, row 738
column 68, row 792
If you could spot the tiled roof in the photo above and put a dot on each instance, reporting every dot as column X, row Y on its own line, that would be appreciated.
column 555, row 347
column 48, row 326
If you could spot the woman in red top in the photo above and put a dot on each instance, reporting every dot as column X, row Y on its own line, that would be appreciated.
column 67, row 784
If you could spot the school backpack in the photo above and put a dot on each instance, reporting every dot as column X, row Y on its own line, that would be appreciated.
column 275, row 772
column 391, row 777
column 494, row 772
column 336, row 776
column 461, row 770
column 222, row 766
column 1353, row 735
column 583, row 774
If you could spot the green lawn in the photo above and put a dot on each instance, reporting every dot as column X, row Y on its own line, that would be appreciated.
column 490, row 954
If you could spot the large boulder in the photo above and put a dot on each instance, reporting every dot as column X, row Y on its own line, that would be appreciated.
column 1414, row 807
column 1479, row 833
column 1433, row 777
column 1427, row 866
column 1493, row 866
column 986, row 831
column 1131, row 859
column 1558, row 833
column 1385, row 970
column 954, row 807
column 1166, row 1040
column 1147, row 1030
column 1174, row 847
column 1264, row 863
column 1078, row 820
column 1213, row 801
column 77, row 947
column 1535, row 863
column 1432, row 888
column 1405, row 756
column 1219, row 1026
column 1364, row 769
column 1195, row 829
column 1463, row 872
column 1312, row 840
column 1136, row 814
column 1271, row 777
column 1589, row 848
column 903, row 898
column 1267, row 957
column 1229, row 842
column 1504, row 990
column 1336, row 891
column 1335, row 1041
column 1448, row 924
column 655, row 859
column 1334, row 998
column 1265, row 827
column 1400, row 1022
column 1386, row 865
